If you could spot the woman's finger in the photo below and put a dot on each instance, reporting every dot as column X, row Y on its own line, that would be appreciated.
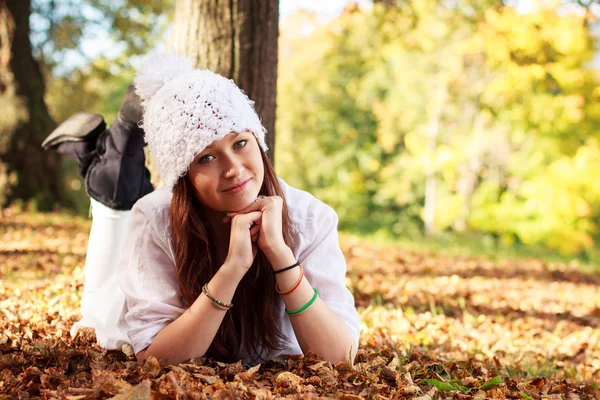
column 255, row 228
column 255, row 206
column 249, row 219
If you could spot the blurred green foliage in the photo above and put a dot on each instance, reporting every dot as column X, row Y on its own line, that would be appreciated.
column 499, row 109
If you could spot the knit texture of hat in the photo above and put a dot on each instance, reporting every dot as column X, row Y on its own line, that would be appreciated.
column 186, row 109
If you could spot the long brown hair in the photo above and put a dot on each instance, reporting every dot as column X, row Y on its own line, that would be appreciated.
column 253, row 321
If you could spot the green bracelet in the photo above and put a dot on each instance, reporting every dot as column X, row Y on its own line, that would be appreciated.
column 304, row 307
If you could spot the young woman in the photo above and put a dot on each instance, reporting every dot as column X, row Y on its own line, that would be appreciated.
column 226, row 259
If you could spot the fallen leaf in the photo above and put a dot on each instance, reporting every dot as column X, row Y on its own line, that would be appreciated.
column 206, row 378
column 140, row 392
column 287, row 380
column 151, row 367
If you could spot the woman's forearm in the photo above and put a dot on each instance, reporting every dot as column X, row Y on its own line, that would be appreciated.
column 318, row 328
column 190, row 335
column 323, row 331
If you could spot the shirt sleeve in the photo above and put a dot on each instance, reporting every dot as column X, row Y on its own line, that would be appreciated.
column 325, row 266
column 149, row 281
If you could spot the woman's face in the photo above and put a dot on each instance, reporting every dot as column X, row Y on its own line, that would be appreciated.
column 228, row 174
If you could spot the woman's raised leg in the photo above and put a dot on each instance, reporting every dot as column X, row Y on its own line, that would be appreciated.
column 112, row 162
column 102, row 300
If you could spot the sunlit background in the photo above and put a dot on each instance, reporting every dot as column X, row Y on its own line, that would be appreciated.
column 452, row 123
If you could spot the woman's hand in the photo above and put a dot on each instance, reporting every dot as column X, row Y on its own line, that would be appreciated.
column 242, row 249
column 270, row 235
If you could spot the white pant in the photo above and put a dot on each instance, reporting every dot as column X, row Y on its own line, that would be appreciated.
column 102, row 299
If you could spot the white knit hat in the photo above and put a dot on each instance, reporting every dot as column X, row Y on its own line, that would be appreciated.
column 186, row 109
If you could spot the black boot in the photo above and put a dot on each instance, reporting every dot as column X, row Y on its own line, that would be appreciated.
column 111, row 161
column 118, row 177
column 76, row 137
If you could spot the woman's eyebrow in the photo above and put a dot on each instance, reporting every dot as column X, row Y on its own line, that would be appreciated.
column 236, row 135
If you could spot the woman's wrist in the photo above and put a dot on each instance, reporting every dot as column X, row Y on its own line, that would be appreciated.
column 231, row 271
column 281, row 257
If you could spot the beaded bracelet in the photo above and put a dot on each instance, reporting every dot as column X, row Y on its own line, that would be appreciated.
column 295, row 284
column 219, row 304
column 304, row 307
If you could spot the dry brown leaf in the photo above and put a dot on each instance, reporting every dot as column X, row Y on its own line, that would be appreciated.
column 151, row 367
column 395, row 363
column 409, row 389
column 249, row 375
column 140, row 392
column 231, row 370
column 318, row 365
column 109, row 383
column 348, row 396
column 287, row 380
column 210, row 380
column 428, row 396
column 469, row 381
column 380, row 397
column 261, row 394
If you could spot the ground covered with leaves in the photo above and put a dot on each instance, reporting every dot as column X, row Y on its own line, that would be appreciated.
column 433, row 327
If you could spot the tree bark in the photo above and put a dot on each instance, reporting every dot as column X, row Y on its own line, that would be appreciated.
column 236, row 39
column 468, row 170
column 436, row 108
column 24, row 120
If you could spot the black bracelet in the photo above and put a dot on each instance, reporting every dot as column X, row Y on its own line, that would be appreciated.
column 287, row 268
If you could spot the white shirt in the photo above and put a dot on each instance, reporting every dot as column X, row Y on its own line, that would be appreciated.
column 148, row 277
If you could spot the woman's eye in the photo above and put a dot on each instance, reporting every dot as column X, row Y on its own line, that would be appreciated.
column 240, row 143
column 205, row 159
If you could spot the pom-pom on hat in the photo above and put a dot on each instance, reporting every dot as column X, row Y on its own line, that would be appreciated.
column 186, row 109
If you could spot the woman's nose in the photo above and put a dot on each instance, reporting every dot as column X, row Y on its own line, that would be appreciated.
column 234, row 168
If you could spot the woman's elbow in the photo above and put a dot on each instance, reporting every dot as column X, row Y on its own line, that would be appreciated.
column 141, row 356
column 163, row 360
column 348, row 355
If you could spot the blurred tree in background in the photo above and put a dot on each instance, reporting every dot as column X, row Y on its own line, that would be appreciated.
column 237, row 40
column 428, row 116
column 47, row 77
column 65, row 34
column 25, row 171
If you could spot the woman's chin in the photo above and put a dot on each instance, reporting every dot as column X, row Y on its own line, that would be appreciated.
column 242, row 203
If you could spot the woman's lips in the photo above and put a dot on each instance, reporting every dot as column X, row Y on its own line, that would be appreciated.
column 239, row 187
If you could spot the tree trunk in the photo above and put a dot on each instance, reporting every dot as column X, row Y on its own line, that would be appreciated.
column 236, row 39
column 468, row 171
column 24, row 122
column 430, row 177
column 436, row 108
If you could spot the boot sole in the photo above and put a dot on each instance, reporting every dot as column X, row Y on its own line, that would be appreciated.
column 77, row 128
